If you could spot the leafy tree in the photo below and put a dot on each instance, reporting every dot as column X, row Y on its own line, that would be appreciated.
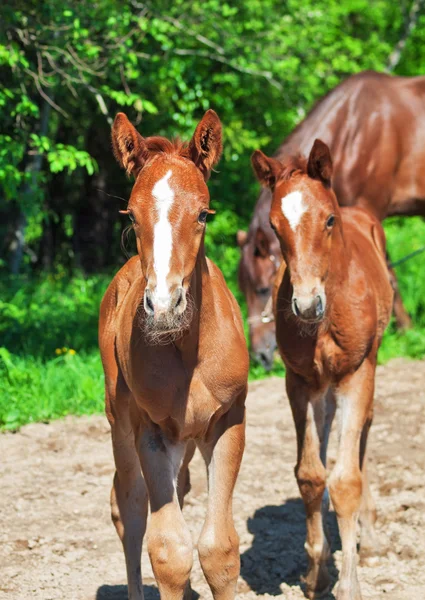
column 67, row 68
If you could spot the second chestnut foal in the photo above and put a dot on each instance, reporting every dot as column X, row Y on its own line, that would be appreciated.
column 176, row 367
column 333, row 301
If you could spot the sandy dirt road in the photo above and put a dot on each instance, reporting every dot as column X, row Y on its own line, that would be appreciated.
column 57, row 541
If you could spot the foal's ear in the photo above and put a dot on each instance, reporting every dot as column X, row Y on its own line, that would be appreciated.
column 319, row 164
column 267, row 170
column 205, row 147
column 128, row 145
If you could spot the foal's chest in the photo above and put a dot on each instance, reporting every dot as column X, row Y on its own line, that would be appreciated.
column 179, row 398
column 323, row 355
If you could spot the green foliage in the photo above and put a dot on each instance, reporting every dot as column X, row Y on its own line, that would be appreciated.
column 403, row 237
column 40, row 315
column 67, row 69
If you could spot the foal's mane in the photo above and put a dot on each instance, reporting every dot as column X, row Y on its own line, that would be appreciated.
column 292, row 165
column 160, row 145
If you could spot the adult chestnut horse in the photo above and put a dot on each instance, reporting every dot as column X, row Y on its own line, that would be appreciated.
column 374, row 125
column 333, row 300
column 176, row 366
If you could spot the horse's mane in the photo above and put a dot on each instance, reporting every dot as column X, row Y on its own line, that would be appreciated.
column 292, row 165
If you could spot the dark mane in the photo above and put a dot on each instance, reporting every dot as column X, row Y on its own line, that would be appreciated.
column 160, row 145
column 293, row 165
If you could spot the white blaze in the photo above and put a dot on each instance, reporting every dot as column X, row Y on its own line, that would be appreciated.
column 163, row 237
column 293, row 208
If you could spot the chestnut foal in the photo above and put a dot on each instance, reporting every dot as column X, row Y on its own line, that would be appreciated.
column 176, row 367
column 332, row 304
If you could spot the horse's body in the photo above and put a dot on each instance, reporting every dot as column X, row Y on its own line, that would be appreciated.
column 176, row 366
column 374, row 125
column 333, row 300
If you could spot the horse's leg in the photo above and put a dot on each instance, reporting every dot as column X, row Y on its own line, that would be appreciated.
column 183, row 484
column 218, row 544
column 324, row 432
column 355, row 399
column 312, row 423
column 169, row 540
column 129, row 500
column 402, row 318
column 367, row 516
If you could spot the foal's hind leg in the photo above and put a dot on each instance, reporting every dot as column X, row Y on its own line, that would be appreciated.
column 129, row 501
column 312, row 424
column 218, row 544
column 368, row 539
column 355, row 397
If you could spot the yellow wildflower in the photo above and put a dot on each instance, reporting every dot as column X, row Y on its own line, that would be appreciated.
column 58, row 351
column 64, row 349
column 72, row 351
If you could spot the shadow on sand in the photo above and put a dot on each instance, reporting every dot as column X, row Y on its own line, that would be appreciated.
column 277, row 553
column 119, row 592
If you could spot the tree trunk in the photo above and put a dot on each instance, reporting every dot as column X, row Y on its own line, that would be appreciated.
column 16, row 248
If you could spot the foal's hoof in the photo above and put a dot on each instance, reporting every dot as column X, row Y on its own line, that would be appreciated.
column 349, row 594
column 317, row 581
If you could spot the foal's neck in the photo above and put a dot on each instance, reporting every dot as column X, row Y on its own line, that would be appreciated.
column 189, row 341
column 338, row 266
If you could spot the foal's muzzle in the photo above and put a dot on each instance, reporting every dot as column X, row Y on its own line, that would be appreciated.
column 309, row 307
column 158, row 307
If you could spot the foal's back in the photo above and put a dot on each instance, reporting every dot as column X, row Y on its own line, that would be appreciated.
column 365, row 237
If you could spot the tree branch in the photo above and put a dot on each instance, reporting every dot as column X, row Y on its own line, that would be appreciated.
column 222, row 59
column 409, row 26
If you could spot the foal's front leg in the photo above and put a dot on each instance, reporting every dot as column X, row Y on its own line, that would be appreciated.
column 218, row 544
column 313, row 414
column 169, row 540
column 355, row 397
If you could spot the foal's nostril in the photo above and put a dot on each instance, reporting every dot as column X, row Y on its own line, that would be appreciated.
column 319, row 306
column 149, row 307
column 295, row 307
column 179, row 298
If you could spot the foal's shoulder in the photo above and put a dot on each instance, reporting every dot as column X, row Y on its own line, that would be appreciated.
column 120, row 285
column 220, row 285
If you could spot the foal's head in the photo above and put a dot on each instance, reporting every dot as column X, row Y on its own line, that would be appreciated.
column 306, row 219
column 168, row 206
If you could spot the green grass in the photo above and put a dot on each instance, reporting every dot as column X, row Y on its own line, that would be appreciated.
column 40, row 390
column 49, row 361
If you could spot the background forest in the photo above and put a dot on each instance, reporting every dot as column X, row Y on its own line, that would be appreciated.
column 67, row 68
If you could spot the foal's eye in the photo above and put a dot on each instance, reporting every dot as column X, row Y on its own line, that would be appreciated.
column 131, row 217
column 330, row 222
column 203, row 217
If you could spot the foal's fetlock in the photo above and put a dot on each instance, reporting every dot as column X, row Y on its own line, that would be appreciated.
column 317, row 579
column 220, row 561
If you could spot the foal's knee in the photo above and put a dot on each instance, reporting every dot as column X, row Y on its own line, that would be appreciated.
column 218, row 551
column 312, row 483
column 346, row 491
column 171, row 554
